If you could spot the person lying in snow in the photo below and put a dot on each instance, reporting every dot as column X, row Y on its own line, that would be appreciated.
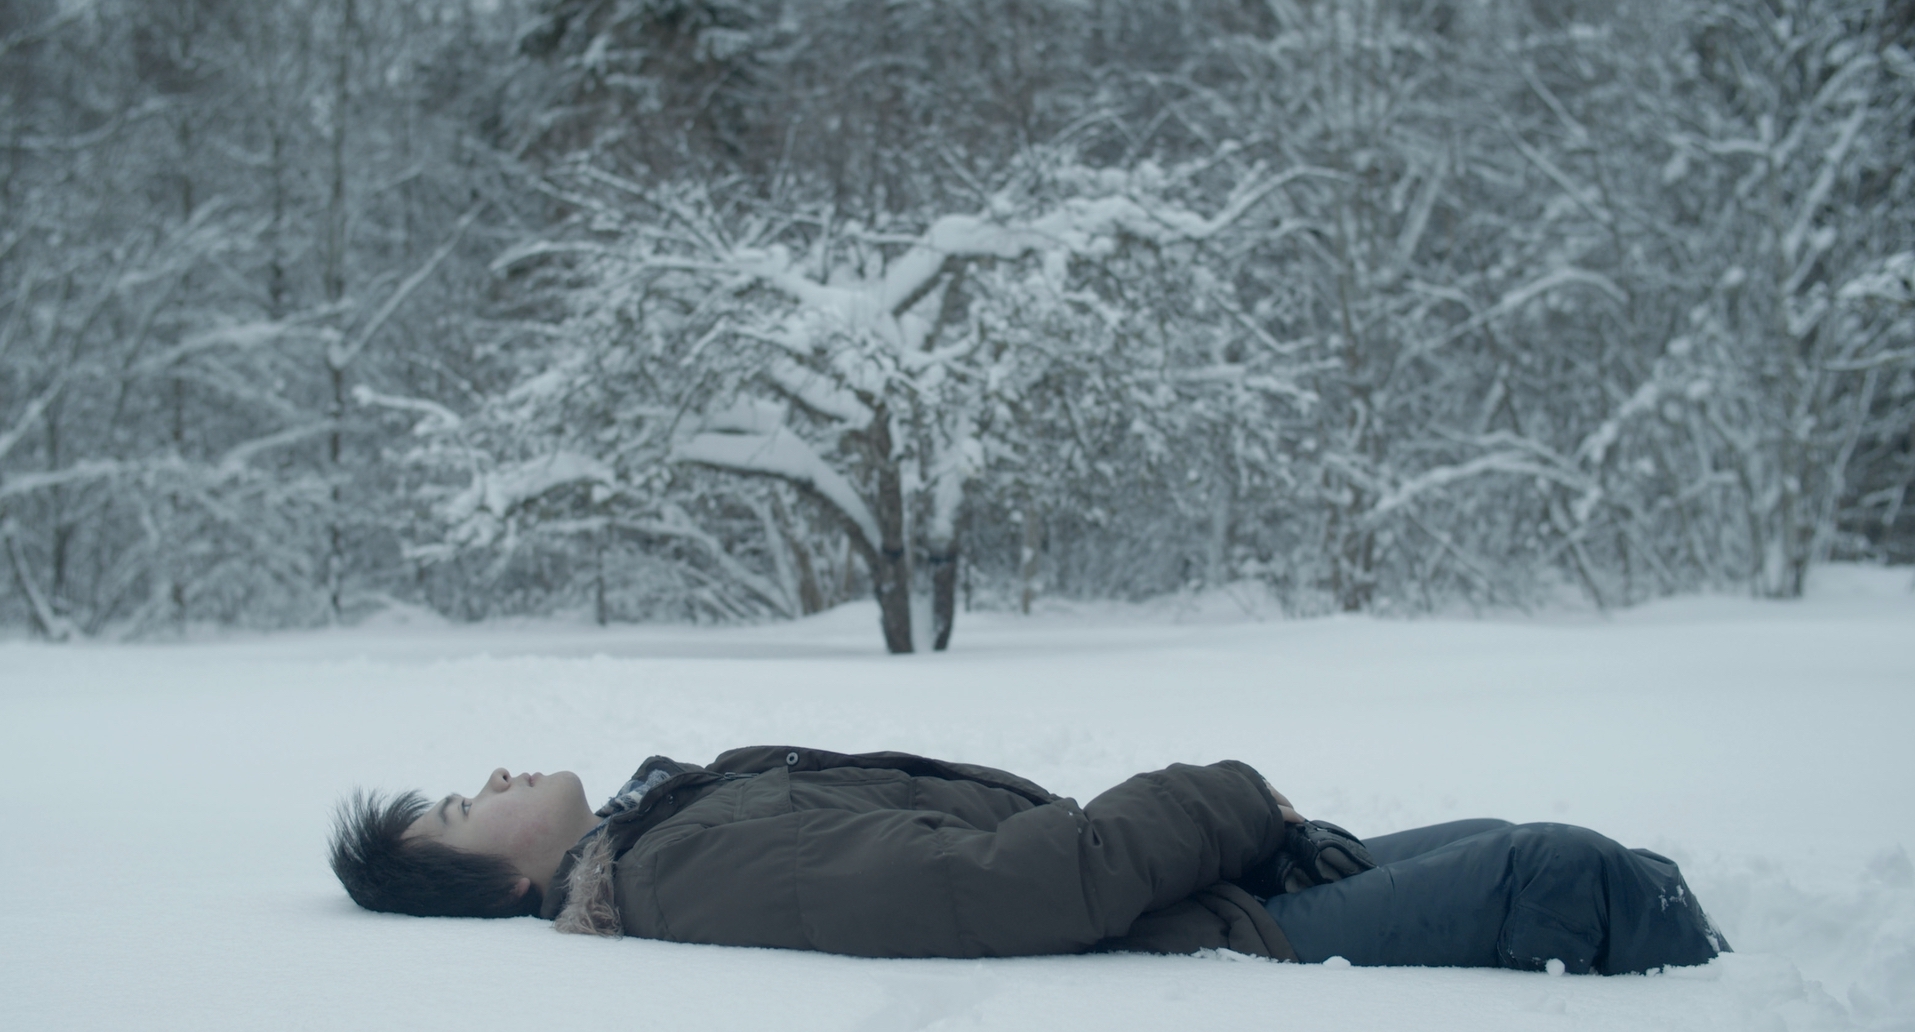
column 893, row 855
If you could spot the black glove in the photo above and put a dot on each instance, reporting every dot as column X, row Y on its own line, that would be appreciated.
column 1313, row 853
column 1321, row 852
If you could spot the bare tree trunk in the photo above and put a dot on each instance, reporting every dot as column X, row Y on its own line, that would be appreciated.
column 63, row 525
column 335, row 531
column 276, row 285
column 43, row 620
column 811, row 597
column 778, row 544
column 1359, row 571
column 1217, row 544
column 600, row 611
column 1355, row 557
column 847, row 574
column 944, row 571
column 333, row 273
column 890, row 572
column 1027, row 565
column 1579, row 557
column 334, row 276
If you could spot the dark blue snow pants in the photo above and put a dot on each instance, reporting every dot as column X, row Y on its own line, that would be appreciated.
column 1489, row 893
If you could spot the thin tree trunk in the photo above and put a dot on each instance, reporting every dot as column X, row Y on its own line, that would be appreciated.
column 944, row 571
column 335, row 531
column 1217, row 544
column 811, row 597
column 778, row 543
column 176, row 588
column 42, row 619
column 1027, row 564
column 890, row 573
column 600, row 611
column 1579, row 558
column 334, row 277
column 1359, row 579
column 333, row 273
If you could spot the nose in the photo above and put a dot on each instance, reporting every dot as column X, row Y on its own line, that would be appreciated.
column 500, row 780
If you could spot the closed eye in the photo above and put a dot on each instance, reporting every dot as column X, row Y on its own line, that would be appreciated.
column 465, row 807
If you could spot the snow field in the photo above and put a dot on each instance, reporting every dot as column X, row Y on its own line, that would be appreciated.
column 165, row 805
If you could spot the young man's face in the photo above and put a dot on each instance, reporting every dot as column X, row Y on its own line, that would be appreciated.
column 528, row 820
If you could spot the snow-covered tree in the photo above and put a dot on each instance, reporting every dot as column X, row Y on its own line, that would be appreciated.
column 735, row 309
column 200, row 252
column 847, row 362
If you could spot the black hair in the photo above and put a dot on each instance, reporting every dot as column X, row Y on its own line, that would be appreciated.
column 384, row 870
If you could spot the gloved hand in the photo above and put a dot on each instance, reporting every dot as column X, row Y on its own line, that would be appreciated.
column 1320, row 852
column 1313, row 853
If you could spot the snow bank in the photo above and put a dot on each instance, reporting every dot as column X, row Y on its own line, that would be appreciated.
column 165, row 806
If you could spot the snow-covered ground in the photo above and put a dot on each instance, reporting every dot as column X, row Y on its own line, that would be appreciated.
column 164, row 806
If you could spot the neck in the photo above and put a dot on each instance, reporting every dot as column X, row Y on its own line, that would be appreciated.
column 584, row 822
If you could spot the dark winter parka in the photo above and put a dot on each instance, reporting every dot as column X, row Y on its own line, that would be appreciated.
column 894, row 855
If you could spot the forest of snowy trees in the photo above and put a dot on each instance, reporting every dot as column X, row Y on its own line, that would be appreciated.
column 738, row 309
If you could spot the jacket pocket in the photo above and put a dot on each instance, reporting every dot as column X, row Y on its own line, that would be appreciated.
column 851, row 789
column 761, row 795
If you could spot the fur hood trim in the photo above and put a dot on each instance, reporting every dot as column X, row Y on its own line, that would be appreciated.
column 590, row 906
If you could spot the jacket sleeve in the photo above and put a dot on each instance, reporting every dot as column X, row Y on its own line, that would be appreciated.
column 1056, row 879
column 896, row 883
column 1159, row 837
column 1222, row 916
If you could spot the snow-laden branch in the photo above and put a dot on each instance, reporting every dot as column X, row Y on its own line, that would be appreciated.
column 501, row 490
column 542, row 248
column 1818, row 192
column 1558, row 278
column 438, row 418
column 1249, row 197
column 45, row 29
column 31, row 414
column 675, row 523
column 1520, row 463
column 1893, row 282
column 238, row 336
column 956, row 466
column 1595, row 448
column 239, row 455
column 817, row 392
column 1079, row 226
column 340, row 358
column 746, row 415
column 18, row 484
column 1568, row 275
column 1239, row 374
column 1586, row 198
column 784, row 455
column 1834, row 88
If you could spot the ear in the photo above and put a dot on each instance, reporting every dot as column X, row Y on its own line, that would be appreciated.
column 521, row 887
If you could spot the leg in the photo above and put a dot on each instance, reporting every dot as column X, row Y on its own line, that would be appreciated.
column 1401, row 845
column 1511, row 896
